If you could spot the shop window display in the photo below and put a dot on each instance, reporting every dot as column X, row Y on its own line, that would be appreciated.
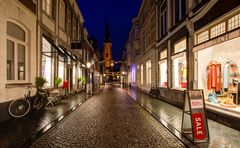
column 179, row 71
column 61, row 67
column 163, row 68
column 47, row 63
column 218, row 73
column 179, row 65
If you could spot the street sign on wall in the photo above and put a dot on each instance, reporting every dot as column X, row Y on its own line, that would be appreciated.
column 194, row 121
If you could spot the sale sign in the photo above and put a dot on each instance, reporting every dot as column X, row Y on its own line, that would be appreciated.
column 198, row 126
column 198, row 103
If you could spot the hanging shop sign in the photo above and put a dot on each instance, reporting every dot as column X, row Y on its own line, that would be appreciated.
column 194, row 121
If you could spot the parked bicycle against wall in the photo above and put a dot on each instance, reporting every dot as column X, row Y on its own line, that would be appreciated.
column 20, row 107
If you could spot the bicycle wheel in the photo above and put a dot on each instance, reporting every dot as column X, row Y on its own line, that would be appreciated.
column 19, row 108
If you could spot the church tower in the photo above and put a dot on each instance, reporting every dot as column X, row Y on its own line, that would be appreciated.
column 107, row 49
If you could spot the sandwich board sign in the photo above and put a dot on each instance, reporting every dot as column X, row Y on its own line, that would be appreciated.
column 194, row 120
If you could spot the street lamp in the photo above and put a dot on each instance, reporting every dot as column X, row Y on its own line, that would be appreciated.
column 89, row 65
column 89, row 77
column 123, row 75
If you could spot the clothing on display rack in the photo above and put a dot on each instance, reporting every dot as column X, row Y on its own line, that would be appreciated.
column 214, row 76
column 230, row 76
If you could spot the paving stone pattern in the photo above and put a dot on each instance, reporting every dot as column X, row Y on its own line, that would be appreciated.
column 110, row 119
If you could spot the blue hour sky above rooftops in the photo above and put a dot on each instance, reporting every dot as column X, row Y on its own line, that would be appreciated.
column 119, row 14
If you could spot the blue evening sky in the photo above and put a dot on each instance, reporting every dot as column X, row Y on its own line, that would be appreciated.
column 119, row 14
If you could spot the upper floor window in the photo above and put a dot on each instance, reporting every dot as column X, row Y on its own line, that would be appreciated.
column 136, row 33
column 47, row 6
column 74, row 29
column 16, row 52
column 69, row 21
column 163, row 19
column 62, row 14
column 180, row 7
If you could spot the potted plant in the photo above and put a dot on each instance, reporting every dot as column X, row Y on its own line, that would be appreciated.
column 39, row 82
column 84, row 82
column 57, row 81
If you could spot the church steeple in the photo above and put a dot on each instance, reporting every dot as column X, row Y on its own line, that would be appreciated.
column 107, row 34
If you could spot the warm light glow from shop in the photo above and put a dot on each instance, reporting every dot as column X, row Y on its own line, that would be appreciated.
column 88, row 65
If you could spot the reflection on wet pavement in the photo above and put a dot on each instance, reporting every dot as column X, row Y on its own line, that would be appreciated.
column 220, row 135
column 21, row 131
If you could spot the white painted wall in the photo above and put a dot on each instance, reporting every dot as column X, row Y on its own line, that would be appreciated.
column 14, row 11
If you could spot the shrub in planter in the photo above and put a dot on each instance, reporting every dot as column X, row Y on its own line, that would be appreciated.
column 57, row 81
column 39, row 82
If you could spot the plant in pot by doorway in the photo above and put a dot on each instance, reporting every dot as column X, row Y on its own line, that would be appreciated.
column 57, row 81
column 84, row 82
column 39, row 82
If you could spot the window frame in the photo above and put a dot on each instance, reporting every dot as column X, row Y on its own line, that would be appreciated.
column 17, row 41
column 148, row 72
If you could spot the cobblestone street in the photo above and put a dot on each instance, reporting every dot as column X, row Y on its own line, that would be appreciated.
column 110, row 119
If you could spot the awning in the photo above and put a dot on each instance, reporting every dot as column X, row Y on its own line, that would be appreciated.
column 67, row 53
column 59, row 51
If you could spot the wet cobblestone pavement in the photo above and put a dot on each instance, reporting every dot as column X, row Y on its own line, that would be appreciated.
column 111, row 119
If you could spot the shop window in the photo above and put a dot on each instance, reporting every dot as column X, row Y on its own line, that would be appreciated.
column 163, row 68
column 179, row 62
column 163, row 54
column 148, row 71
column 218, row 29
column 79, row 72
column 234, row 22
column 163, row 73
column 218, row 74
column 47, row 62
column 202, row 37
column 179, row 70
column 62, row 14
column 16, row 52
column 47, row 6
column 74, row 73
column 179, row 47
column 61, row 67
column 141, row 73
column 134, row 73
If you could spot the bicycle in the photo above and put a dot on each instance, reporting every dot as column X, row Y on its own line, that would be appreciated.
column 20, row 107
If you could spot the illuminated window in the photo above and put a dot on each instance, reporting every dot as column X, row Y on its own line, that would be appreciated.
column 181, row 46
column 163, row 68
column 148, row 71
column 141, row 73
column 47, row 63
column 202, row 37
column 234, row 22
column 61, row 67
column 218, row 29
